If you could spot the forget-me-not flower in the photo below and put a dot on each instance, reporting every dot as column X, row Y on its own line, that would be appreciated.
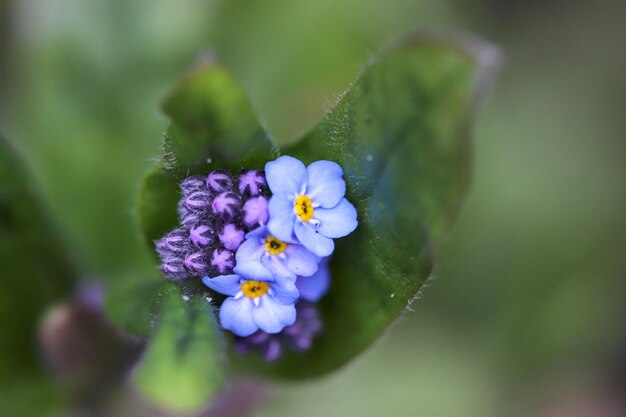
column 308, row 203
column 254, row 305
column 265, row 257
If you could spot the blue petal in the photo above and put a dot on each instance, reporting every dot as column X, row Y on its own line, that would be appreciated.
column 272, row 317
column 300, row 260
column 224, row 284
column 248, row 259
column 284, row 291
column 313, row 288
column 338, row 221
column 277, row 267
column 237, row 316
column 286, row 175
column 312, row 240
column 325, row 184
column 282, row 216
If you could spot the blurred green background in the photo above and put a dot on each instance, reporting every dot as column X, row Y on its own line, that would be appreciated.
column 526, row 314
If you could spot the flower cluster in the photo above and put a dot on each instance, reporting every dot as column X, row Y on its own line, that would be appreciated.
column 265, row 242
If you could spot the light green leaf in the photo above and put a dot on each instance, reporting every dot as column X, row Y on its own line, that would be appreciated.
column 182, row 369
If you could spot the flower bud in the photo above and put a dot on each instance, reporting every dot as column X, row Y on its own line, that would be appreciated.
column 198, row 200
column 197, row 263
column 252, row 183
column 255, row 212
column 173, row 267
column 231, row 236
column 201, row 235
column 191, row 184
column 177, row 241
column 219, row 181
column 226, row 205
column 190, row 218
column 162, row 249
column 223, row 261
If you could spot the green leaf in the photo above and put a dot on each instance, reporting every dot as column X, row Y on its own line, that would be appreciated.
column 212, row 120
column 36, row 271
column 182, row 369
column 401, row 134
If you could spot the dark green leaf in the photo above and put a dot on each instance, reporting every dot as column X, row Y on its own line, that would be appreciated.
column 212, row 120
column 402, row 135
column 182, row 369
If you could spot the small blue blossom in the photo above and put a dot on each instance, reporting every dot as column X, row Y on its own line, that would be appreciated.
column 264, row 257
column 314, row 287
column 308, row 203
column 254, row 305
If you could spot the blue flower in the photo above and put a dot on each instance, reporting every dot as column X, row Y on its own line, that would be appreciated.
column 264, row 257
column 314, row 287
column 254, row 305
column 309, row 203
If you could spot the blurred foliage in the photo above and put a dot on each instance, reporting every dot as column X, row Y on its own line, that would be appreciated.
column 529, row 294
column 35, row 269
column 35, row 272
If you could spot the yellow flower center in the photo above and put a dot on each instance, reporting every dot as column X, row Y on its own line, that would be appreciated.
column 274, row 246
column 254, row 289
column 303, row 208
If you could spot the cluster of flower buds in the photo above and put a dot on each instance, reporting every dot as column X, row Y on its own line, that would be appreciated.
column 215, row 212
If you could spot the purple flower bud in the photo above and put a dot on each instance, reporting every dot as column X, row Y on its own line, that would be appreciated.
column 162, row 249
column 197, row 262
column 298, row 337
column 190, row 218
column 272, row 350
column 201, row 235
column 198, row 200
column 177, row 241
column 231, row 236
column 173, row 267
column 223, row 261
column 219, row 181
column 226, row 205
column 255, row 212
column 252, row 183
column 191, row 184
